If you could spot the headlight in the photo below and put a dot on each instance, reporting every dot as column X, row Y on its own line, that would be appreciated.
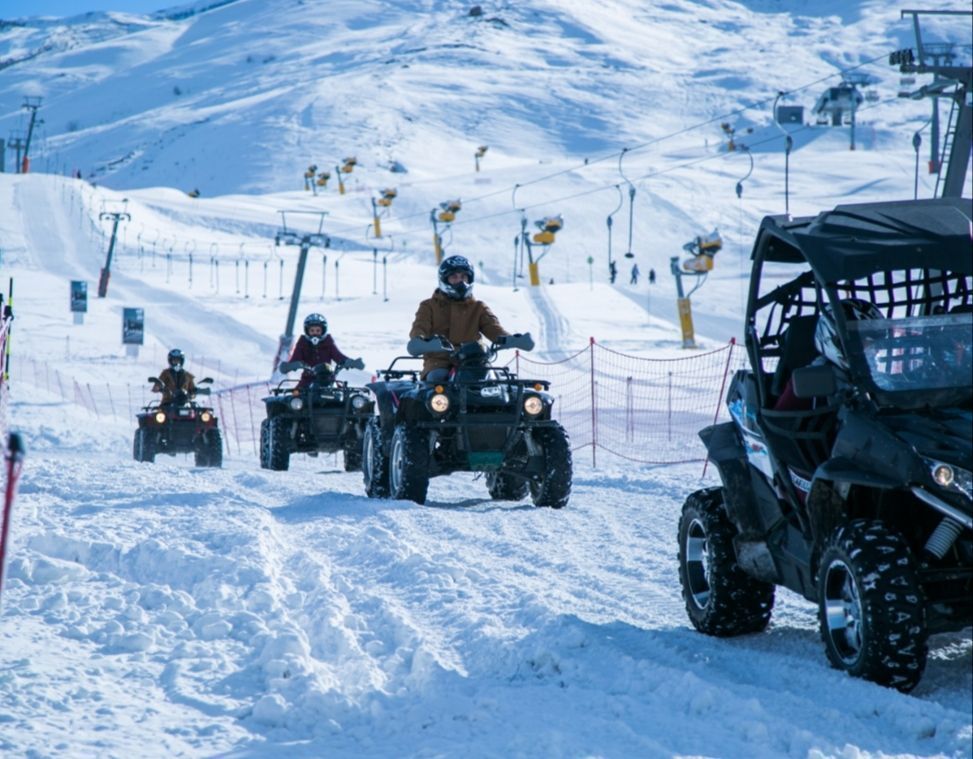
column 943, row 475
column 533, row 405
column 358, row 402
column 206, row 416
column 160, row 417
column 297, row 403
column 439, row 403
column 951, row 477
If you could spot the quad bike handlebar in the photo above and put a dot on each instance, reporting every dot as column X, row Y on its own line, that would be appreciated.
column 418, row 346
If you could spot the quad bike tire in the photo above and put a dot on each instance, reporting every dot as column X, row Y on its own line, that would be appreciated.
column 870, row 605
column 143, row 447
column 209, row 450
column 352, row 454
column 506, row 487
column 553, row 488
column 375, row 464
column 721, row 599
column 409, row 464
column 274, row 453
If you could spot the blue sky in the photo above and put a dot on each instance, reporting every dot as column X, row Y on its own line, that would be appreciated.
column 17, row 8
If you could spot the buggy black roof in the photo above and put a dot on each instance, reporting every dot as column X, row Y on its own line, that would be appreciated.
column 853, row 241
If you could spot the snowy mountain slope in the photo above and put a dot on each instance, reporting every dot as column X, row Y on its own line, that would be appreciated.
column 162, row 609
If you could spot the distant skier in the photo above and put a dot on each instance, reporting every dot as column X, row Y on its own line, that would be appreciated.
column 612, row 271
column 651, row 276
column 635, row 275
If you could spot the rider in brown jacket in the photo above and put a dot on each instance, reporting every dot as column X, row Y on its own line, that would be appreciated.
column 453, row 313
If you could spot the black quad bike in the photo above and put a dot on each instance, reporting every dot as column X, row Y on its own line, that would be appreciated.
column 179, row 426
column 857, row 495
column 482, row 419
column 328, row 415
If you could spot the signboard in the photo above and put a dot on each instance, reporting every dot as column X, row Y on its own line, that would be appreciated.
column 133, row 326
column 79, row 296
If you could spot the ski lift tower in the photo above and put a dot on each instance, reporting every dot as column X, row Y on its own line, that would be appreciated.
column 306, row 240
column 950, row 81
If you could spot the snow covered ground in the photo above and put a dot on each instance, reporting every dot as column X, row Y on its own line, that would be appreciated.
column 158, row 610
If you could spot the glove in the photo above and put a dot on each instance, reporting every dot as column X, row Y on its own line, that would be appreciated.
column 289, row 366
column 417, row 346
column 354, row 363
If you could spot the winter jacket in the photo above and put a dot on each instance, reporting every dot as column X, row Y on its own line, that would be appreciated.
column 459, row 321
column 312, row 355
column 170, row 382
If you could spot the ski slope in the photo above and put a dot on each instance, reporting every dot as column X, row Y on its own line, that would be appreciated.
column 159, row 610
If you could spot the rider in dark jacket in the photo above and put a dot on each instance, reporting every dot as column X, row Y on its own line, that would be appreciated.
column 316, row 347
column 175, row 379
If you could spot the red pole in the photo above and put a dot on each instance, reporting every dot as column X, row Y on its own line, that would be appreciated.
column 15, row 459
column 594, row 412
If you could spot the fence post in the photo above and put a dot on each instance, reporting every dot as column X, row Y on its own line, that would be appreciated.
column 226, row 438
column 629, row 411
column 111, row 403
column 669, row 409
column 719, row 401
column 253, row 435
column 94, row 403
column 594, row 411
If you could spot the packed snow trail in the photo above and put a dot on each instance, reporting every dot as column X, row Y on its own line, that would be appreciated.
column 254, row 608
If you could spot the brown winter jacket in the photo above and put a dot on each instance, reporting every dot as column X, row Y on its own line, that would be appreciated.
column 170, row 381
column 459, row 321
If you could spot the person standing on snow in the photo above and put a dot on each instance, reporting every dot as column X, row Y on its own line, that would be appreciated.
column 175, row 380
column 452, row 312
column 316, row 347
column 612, row 272
column 635, row 275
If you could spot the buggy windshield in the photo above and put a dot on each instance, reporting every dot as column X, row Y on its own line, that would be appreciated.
column 916, row 354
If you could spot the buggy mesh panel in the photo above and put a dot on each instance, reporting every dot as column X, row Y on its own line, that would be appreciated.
column 912, row 292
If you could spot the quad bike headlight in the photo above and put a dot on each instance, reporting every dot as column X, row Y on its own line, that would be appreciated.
column 297, row 403
column 160, row 417
column 439, row 403
column 533, row 405
column 206, row 416
column 358, row 402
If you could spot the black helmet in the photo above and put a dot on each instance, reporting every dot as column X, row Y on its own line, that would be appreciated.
column 826, row 334
column 450, row 266
column 312, row 320
column 175, row 357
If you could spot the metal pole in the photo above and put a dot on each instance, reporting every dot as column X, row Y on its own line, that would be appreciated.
column 385, row 291
column 374, row 271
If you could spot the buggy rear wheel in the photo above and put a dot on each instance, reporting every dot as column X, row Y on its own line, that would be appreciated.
column 870, row 606
column 375, row 465
column 553, row 488
column 409, row 464
column 721, row 599
column 143, row 448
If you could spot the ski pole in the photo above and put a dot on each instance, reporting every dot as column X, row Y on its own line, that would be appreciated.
column 15, row 460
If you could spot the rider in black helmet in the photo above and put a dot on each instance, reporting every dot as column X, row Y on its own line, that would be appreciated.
column 316, row 347
column 453, row 313
column 175, row 379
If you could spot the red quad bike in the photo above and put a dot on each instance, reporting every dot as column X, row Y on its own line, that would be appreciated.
column 181, row 426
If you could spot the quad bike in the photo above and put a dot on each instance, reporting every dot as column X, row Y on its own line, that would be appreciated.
column 327, row 415
column 179, row 426
column 859, row 497
column 482, row 419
